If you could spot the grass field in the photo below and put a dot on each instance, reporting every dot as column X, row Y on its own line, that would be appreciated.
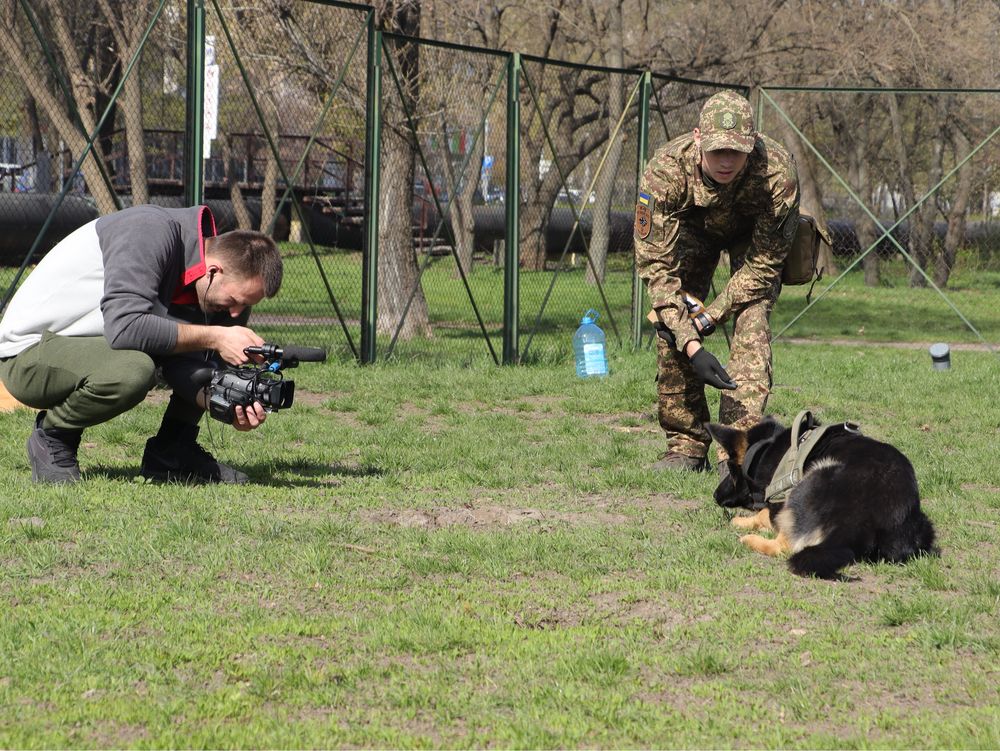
column 455, row 555
column 549, row 312
column 437, row 552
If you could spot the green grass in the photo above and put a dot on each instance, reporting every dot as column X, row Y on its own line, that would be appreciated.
column 457, row 555
column 892, row 312
column 303, row 312
column 436, row 552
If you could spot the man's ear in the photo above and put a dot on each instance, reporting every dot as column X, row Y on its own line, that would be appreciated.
column 733, row 441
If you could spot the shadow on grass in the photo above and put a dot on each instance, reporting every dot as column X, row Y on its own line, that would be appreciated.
column 282, row 473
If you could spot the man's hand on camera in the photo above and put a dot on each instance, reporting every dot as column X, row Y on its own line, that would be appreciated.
column 249, row 418
column 230, row 341
column 707, row 367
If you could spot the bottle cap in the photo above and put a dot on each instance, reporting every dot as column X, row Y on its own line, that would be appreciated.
column 590, row 316
column 940, row 356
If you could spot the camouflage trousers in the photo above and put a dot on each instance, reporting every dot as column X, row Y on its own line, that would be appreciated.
column 682, row 404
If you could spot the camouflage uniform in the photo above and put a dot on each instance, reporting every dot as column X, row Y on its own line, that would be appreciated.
column 683, row 221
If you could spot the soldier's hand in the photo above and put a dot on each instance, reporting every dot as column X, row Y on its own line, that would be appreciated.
column 710, row 370
column 661, row 329
column 665, row 334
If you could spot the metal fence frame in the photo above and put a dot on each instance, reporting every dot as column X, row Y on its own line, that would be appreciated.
column 886, row 233
column 643, row 95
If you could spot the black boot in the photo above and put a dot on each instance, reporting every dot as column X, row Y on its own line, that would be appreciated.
column 173, row 455
column 52, row 453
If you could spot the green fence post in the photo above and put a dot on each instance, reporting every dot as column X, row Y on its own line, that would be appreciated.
column 194, row 145
column 512, row 201
column 373, row 134
column 642, row 155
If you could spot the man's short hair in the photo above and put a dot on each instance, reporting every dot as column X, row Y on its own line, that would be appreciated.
column 252, row 254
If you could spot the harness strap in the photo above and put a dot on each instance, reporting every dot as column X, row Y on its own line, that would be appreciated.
column 789, row 471
column 791, row 468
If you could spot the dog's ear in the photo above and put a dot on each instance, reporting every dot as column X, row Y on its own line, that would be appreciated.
column 732, row 441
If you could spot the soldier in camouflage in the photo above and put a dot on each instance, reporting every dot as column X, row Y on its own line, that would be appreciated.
column 722, row 186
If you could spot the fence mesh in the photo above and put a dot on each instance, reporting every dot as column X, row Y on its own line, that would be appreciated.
column 288, row 155
column 442, row 170
column 906, row 182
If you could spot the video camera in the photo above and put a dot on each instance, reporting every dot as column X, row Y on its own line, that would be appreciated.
column 243, row 385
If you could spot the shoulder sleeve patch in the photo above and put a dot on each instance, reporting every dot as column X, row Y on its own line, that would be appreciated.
column 643, row 216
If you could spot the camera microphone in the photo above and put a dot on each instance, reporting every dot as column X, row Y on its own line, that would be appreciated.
column 289, row 354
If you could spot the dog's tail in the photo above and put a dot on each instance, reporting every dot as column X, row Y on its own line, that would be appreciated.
column 914, row 536
column 823, row 560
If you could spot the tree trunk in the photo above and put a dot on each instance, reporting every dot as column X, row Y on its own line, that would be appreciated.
column 605, row 187
column 397, row 261
column 945, row 259
column 39, row 153
column 851, row 127
column 859, row 177
column 269, row 191
column 134, row 137
column 534, row 215
column 921, row 223
column 242, row 214
column 463, row 188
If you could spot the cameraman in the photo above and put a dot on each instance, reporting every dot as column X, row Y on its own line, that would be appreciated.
column 144, row 288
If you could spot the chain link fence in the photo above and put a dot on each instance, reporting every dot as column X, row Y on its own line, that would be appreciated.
column 384, row 165
column 287, row 155
column 443, row 125
column 906, row 183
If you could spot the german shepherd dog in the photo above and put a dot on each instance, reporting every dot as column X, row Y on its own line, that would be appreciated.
column 857, row 499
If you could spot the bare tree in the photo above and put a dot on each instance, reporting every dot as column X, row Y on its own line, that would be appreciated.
column 956, row 212
column 402, row 304
column 607, row 21
column 65, row 26
column 128, row 22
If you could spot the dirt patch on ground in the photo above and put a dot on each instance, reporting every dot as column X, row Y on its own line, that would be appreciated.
column 487, row 517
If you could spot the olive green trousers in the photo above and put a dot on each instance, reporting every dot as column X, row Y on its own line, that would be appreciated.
column 79, row 380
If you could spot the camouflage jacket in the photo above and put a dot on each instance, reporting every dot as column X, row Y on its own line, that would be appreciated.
column 761, row 205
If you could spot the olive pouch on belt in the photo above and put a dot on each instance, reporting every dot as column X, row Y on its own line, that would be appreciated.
column 803, row 257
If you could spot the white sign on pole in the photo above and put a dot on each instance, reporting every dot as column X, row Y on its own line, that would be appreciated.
column 211, row 98
column 211, row 102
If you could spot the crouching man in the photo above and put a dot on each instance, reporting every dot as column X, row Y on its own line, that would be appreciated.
column 141, row 289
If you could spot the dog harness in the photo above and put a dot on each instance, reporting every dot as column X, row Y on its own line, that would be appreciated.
column 806, row 433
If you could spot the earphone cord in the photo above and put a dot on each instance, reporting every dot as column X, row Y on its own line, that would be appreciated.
column 206, row 391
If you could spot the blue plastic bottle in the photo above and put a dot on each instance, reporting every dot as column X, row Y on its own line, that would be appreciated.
column 588, row 347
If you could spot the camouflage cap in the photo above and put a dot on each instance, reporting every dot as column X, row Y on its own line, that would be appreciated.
column 726, row 122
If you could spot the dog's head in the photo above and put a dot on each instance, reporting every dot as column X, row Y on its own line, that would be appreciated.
column 753, row 456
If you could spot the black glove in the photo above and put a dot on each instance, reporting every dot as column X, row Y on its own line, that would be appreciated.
column 665, row 334
column 710, row 370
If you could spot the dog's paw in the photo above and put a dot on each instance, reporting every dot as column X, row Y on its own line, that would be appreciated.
column 762, row 544
column 760, row 520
